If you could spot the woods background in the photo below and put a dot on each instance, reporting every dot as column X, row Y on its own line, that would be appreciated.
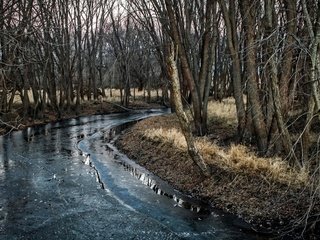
column 264, row 53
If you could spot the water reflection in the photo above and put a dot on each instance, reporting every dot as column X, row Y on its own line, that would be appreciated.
column 4, row 159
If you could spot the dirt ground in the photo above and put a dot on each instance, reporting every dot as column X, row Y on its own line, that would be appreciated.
column 268, row 206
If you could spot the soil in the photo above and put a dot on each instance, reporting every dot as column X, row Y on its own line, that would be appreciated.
column 268, row 206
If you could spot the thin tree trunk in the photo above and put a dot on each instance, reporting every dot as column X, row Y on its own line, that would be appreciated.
column 283, row 130
column 183, row 119
column 232, row 42
column 284, row 133
column 248, row 13
column 314, row 99
column 186, row 71
column 286, row 66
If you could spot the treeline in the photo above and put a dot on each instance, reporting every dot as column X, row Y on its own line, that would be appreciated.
column 264, row 53
column 66, row 52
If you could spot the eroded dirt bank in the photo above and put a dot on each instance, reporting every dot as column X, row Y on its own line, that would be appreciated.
column 263, row 202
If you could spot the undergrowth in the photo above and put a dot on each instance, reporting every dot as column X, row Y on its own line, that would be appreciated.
column 236, row 157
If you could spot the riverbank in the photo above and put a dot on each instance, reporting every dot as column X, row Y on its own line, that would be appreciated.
column 13, row 121
column 263, row 192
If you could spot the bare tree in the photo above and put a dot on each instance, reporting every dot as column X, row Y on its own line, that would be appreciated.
column 230, row 21
column 183, row 119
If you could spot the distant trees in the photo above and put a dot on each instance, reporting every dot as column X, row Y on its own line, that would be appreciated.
column 64, row 51
column 264, row 53
column 41, row 58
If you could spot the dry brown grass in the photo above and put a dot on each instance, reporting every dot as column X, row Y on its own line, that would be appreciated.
column 237, row 158
column 114, row 98
column 224, row 110
column 220, row 111
column 138, row 94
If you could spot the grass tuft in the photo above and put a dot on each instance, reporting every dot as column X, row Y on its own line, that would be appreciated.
column 170, row 135
column 237, row 158
column 226, row 110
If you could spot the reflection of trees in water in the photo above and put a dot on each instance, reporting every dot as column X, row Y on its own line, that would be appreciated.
column 15, row 175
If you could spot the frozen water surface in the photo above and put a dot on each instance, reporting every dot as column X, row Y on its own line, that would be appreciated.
column 66, row 181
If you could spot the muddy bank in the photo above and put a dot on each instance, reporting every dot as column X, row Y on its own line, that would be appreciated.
column 267, row 205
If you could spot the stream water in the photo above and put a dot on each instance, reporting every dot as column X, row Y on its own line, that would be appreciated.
column 66, row 180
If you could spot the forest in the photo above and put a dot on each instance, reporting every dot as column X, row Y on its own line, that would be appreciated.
column 55, row 55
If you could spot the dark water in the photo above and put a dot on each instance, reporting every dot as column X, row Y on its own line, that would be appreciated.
column 67, row 181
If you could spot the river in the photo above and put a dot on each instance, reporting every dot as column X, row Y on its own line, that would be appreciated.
column 66, row 180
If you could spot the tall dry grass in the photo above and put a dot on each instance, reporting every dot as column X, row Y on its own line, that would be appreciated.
column 115, row 95
column 112, row 95
column 237, row 158
column 224, row 110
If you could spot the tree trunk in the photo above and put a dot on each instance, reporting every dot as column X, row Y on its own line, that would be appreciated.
column 232, row 41
column 286, row 66
column 183, row 119
column 283, row 131
column 186, row 71
column 248, row 12
column 314, row 98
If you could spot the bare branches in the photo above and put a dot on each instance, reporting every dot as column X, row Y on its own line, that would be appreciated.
column 9, row 126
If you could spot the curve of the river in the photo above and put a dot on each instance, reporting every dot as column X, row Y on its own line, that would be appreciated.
column 66, row 180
